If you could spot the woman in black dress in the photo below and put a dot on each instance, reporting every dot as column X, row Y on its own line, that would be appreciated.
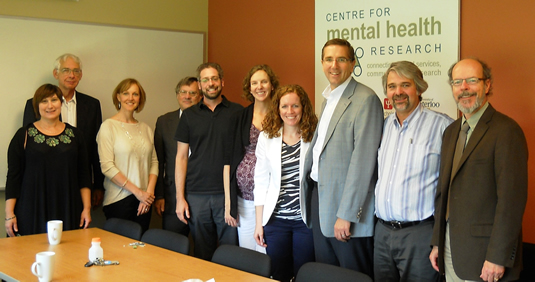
column 48, row 175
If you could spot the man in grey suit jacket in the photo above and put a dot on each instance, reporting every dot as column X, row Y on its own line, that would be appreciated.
column 482, row 193
column 79, row 110
column 342, row 164
column 187, row 94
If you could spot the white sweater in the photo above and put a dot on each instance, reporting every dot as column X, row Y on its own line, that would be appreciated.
column 126, row 148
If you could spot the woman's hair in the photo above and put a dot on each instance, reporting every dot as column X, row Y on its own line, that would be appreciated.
column 124, row 86
column 246, row 86
column 273, row 121
column 45, row 91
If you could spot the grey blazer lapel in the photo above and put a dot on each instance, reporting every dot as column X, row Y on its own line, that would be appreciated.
column 340, row 109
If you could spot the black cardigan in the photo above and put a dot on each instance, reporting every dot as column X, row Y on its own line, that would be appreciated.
column 242, row 121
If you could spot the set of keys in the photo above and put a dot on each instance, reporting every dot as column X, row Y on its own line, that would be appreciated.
column 101, row 262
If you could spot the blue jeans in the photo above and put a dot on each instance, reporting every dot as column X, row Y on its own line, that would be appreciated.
column 290, row 244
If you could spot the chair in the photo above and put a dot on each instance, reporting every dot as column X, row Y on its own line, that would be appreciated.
column 124, row 227
column 167, row 239
column 318, row 272
column 528, row 257
column 243, row 259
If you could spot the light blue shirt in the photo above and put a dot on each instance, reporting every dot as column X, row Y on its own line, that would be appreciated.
column 409, row 162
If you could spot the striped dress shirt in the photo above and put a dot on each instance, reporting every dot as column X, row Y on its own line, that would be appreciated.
column 409, row 161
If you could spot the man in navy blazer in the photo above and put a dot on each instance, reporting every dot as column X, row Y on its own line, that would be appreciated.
column 342, row 164
column 482, row 193
column 79, row 110
column 187, row 94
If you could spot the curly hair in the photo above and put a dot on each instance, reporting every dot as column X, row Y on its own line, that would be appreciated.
column 246, row 85
column 273, row 122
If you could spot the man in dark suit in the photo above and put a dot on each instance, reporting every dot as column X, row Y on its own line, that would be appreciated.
column 342, row 164
column 79, row 110
column 482, row 190
column 187, row 94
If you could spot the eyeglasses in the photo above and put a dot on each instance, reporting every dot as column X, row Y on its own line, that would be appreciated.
column 67, row 71
column 213, row 78
column 338, row 60
column 469, row 81
column 184, row 92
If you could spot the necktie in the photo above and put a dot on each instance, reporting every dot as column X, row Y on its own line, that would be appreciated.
column 459, row 148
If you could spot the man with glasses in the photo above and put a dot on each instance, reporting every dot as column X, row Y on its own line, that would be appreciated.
column 203, row 130
column 188, row 94
column 409, row 159
column 482, row 188
column 341, row 166
column 79, row 110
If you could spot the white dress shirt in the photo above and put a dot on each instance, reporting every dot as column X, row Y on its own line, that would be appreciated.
column 332, row 96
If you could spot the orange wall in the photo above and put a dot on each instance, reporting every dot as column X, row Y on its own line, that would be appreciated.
column 244, row 33
column 280, row 33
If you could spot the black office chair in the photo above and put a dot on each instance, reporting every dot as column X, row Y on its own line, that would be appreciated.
column 243, row 259
column 167, row 239
column 124, row 227
column 319, row 272
column 528, row 259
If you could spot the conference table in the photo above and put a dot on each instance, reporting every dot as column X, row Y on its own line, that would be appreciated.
column 148, row 263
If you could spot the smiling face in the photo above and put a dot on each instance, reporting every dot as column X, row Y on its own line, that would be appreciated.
column 50, row 107
column 129, row 99
column 290, row 109
column 66, row 75
column 261, row 86
column 469, row 98
column 402, row 94
column 337, row 72
column 188, row 95
column 211, row 84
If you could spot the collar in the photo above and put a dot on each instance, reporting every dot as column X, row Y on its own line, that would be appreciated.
column 415, row 115
column 224, row 103
column 474, row 119
column 73, row 100
column 337, row 92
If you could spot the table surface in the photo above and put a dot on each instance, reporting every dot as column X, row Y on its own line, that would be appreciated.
column 140, row 264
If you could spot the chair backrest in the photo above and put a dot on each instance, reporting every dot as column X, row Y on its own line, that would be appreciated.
column 528, row 257
column 167, row 239
column 124, row 227
column 243, row 259
column 316, row 272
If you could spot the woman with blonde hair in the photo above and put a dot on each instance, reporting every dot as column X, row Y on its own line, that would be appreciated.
column 258, row 86
column 127, row 157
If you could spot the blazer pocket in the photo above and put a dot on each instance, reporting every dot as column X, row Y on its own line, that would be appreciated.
column 481, row 230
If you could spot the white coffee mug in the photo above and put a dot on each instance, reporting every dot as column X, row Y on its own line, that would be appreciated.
column 54, row 228
column 43, row 267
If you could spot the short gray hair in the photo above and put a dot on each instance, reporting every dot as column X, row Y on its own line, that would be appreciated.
column 408, row 70
column 64, row 57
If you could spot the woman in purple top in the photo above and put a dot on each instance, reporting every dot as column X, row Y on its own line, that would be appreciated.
column 258, row 85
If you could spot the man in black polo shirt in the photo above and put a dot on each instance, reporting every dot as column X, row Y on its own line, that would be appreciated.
column 203, row 129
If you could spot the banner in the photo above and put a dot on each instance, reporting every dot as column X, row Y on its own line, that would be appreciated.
column 421, row 31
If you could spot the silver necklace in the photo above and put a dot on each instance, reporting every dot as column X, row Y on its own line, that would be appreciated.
column 138, row 146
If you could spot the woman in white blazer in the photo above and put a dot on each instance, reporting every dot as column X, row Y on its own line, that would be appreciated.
column 280, row 153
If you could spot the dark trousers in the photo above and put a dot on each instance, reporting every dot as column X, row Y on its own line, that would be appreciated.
column 171, row 222
column 403, row 254
column 290, row 244
column 127, row 209
column 355, row 254
column 207, row 224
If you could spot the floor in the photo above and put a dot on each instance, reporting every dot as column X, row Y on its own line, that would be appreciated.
column 97, row 216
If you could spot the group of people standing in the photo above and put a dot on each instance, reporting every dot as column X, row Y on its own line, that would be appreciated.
column 409, row 198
